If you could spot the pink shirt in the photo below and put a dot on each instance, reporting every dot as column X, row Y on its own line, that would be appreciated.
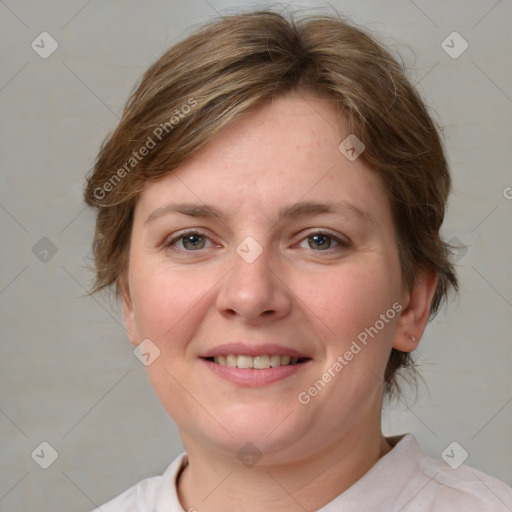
column 404, row 480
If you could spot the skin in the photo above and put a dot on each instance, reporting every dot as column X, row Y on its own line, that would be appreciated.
column 188, row 300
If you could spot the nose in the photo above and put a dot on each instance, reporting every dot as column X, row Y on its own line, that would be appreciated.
column 253, row 292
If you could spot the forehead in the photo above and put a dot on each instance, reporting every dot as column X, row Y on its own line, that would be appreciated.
column 281, row 152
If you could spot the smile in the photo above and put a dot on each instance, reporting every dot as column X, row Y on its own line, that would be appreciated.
column 260, row 362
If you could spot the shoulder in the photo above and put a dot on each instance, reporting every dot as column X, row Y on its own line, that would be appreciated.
column 149, row 494
column 437, row 486
column 139, row 498
column 465, row 488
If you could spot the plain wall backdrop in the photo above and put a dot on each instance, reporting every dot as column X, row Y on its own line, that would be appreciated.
column 68, row 373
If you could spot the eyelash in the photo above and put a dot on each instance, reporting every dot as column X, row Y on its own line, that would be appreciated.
column 343, row 244
column 185, row 235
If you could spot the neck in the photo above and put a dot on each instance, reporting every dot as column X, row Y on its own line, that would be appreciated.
column 211, row 483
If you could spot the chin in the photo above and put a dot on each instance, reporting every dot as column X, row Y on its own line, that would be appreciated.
column 264, row 428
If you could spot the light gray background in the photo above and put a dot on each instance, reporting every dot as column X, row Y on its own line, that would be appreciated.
column 68, row 373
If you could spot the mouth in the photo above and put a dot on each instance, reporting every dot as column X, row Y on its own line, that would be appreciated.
column 259, row 362
column 252, row 365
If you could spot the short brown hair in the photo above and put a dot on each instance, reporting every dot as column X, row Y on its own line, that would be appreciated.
column 207, row 80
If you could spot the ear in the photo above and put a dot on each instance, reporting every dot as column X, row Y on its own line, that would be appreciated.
column 416, row 310
column 128, row 313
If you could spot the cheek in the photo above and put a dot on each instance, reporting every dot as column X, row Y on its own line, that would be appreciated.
column 348, row 300
column 168, row 307
column 166, row 301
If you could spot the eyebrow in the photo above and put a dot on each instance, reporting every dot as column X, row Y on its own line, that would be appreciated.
column 190, row 209
column 344, row 209
column 296, row 210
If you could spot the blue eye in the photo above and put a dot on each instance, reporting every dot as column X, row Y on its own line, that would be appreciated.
column 316, row 241
column 190, row 241
column 322, row 241
column 193, row 241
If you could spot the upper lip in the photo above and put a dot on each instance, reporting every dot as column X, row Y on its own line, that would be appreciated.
column 243, row 349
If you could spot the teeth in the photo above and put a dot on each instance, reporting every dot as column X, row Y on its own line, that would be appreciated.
column 275, row 361
column 262, row 362
column 245, row 362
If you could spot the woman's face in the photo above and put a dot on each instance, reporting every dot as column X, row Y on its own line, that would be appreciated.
column 270, row 242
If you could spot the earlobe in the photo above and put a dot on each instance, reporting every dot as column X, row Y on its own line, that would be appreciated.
column 129, row 317
column 416, row 312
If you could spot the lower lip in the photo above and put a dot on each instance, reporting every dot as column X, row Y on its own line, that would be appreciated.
column 254, row 378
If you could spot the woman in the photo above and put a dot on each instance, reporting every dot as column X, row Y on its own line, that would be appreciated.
column 268, row 211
